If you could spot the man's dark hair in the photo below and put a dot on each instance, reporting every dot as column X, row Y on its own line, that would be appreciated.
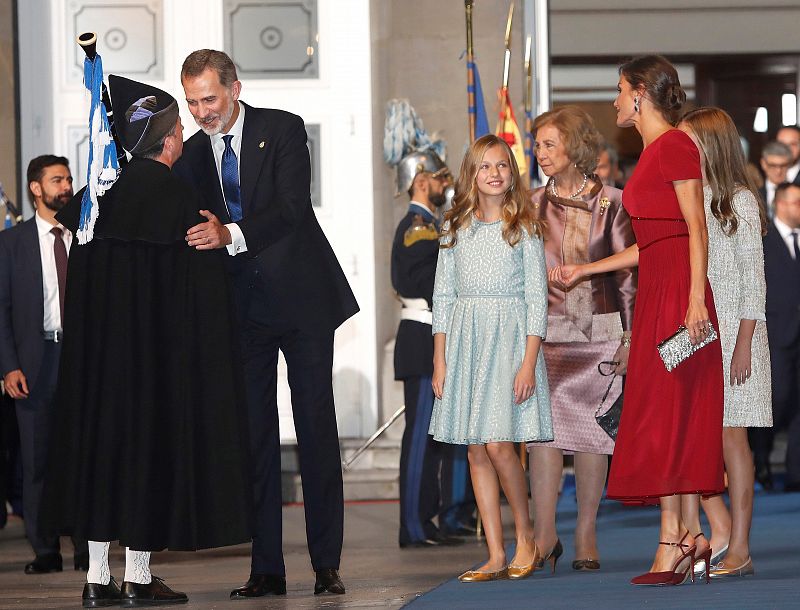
column 782, row 188
column 155, row 150
column 198, row 61
column 37, row 166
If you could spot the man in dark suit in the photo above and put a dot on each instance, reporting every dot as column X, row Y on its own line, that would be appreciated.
column 251, row 166
column 782, row 271
column 33, row 266
column 776, row 158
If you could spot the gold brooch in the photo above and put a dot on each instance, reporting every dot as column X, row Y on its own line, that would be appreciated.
column 604, row 203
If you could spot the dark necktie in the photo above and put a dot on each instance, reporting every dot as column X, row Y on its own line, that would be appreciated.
column 794, row 246
column 230, row 181
column 60, row 252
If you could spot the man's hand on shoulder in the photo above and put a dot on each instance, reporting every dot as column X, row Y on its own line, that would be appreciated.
column 208, row 235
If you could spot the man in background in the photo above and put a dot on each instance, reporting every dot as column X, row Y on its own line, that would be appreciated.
column 33, row 275
column 790, row 136
column 782, row 272
column 776, row 158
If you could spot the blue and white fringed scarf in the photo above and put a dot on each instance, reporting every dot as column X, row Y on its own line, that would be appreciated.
column 103, row 168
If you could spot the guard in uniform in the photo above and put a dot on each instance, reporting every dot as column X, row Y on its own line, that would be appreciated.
column 434, row 478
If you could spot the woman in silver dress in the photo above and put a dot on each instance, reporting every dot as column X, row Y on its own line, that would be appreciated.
column 587, row 324
column 736, row 225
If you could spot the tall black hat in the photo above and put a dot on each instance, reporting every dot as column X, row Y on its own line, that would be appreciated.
column 143, row 114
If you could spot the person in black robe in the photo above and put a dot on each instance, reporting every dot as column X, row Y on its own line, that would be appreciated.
column 151, row 443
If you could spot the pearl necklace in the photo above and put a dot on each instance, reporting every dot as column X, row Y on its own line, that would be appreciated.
column 554, row 190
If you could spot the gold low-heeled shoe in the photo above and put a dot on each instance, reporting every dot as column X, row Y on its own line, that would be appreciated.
column 520, row 572
column 721, row 571
column 475, row 576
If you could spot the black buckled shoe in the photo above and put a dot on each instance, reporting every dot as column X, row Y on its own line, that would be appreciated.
column 44, row 564
column 100, row 596
column 155, row 593
column 328, row 581
column 259, row 585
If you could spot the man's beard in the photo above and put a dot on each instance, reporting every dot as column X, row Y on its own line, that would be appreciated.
column 438, row 200
column 222, row 121
column 57, row 202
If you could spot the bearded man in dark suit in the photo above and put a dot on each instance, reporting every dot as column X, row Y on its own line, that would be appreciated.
column 251, row 166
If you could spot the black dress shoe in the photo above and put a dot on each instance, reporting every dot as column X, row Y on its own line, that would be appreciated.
column 100, row 596
column 155, row 593
column 437, row 539
column 328, row 581
column 81, row 561
column 792, row 487
column 259, row 585
column 44, row 564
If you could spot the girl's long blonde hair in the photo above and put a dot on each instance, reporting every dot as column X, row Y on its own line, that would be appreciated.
column 725, row 165
column 517, row 211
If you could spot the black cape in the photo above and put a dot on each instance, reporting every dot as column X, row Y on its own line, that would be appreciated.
column 149, row 439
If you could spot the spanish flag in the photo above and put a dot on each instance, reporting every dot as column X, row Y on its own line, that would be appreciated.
column 508, row 130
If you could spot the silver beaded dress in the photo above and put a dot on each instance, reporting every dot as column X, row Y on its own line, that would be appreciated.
column 488, row 297
column 736, row 274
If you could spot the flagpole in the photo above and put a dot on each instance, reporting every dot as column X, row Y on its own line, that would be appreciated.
column 506, row 64
column 528, row 95
column 470, row 72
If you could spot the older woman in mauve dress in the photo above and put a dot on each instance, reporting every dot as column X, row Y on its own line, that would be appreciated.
column 588, row 324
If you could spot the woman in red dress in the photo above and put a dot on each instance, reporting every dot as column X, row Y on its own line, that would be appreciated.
column 669, row 446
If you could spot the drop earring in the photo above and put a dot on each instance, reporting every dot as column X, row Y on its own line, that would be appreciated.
column 636, row 104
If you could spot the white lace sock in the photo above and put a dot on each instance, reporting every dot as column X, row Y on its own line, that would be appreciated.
column 99, row 572
column 137, row 566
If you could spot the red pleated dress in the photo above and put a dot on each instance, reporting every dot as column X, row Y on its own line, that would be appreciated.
column 670, row 434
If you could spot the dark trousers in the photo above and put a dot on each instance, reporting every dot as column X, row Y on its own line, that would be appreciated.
column 309, row 361
column 33, row 418
column 785, row 362
column 434, row 477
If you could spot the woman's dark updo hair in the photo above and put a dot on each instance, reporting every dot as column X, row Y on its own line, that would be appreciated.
column 660, row 81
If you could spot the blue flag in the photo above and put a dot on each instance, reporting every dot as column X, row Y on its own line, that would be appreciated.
column 103, row 167
column 479, row 108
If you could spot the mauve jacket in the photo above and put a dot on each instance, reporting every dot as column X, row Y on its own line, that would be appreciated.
column 581, row 231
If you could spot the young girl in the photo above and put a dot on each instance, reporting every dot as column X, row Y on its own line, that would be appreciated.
column 489, row 319
column 736, row 272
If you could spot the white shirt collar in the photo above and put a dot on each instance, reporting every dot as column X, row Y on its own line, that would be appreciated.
column 236, row 129
column 44, row 227
column 784, row 229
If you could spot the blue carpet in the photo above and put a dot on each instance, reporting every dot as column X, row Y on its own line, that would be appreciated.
column 627, row 539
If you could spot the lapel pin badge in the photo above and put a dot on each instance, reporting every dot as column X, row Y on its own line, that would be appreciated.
column 261, row 144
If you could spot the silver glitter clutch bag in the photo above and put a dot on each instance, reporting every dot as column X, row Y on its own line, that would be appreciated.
column 678, row 347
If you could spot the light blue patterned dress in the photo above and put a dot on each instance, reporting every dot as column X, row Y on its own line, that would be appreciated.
column 488, row 297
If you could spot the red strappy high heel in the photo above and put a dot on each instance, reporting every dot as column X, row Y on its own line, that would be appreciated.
column 671, row 577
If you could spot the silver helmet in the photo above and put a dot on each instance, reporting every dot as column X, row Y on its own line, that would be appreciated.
column 415, row 163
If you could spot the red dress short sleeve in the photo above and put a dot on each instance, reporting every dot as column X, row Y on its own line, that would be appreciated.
column 679, row 158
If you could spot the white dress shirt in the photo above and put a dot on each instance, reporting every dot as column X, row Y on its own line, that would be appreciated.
column 786, row 233
column 792, row 172
column 52, row 308
column 238, row 244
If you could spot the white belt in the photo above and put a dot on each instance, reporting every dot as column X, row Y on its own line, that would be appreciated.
column 416, row 310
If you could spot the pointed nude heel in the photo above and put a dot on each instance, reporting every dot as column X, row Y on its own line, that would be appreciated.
column 702, row 562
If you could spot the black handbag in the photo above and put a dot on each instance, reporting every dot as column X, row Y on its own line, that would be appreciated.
column 609, row 421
